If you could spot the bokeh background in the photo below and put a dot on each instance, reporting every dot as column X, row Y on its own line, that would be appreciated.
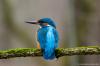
column 78, row 24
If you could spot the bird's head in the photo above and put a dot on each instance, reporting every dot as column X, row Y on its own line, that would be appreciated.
column 43, row 22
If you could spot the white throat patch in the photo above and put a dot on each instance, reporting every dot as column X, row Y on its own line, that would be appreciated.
column 46, row 25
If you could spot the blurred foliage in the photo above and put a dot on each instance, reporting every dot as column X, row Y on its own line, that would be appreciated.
column 13, row 28
column 83, row 10
column 85, row 6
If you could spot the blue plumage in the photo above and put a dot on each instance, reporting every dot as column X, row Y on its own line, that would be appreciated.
column 48, row 37
column 47, row 20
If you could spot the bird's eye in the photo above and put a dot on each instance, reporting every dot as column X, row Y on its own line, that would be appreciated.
column 45, row 24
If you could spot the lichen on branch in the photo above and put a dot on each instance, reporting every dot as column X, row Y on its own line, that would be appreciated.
column 34, row 52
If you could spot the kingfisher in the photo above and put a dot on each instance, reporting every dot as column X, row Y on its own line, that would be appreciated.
column 47, row 36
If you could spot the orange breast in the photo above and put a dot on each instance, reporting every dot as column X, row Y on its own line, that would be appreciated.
column 38, row 45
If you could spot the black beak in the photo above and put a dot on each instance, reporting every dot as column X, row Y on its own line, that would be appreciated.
column 32, row 22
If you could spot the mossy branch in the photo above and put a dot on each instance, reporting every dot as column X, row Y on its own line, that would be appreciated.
column 33, row 52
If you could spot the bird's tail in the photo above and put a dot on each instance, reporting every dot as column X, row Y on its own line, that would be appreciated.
column 49, row 53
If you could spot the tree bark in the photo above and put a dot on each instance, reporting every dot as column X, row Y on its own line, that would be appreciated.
column 34, row 52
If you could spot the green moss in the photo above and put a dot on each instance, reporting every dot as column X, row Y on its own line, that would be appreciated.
column 19, row 52
column 34, row 52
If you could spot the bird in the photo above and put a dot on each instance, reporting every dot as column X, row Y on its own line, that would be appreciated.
column 47, row 36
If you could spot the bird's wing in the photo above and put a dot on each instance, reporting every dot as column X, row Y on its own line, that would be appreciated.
column 49, row 36
column 56, row 37
column 41, row 37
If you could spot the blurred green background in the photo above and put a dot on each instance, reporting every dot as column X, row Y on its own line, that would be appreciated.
column 77, row 22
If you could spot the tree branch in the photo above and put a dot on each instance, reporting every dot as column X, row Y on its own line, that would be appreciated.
column 33, row 52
